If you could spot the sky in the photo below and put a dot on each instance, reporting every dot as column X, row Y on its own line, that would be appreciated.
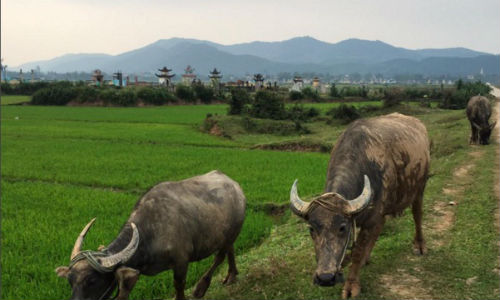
column 34, row 30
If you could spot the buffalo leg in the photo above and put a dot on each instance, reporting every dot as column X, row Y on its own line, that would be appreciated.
column 232, row 271
column 474, row 137
column 419, row 242
column 180, row 272
column 361, row 252
column 204, row 282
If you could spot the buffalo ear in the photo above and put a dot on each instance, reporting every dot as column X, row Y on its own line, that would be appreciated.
column 62, row 271
column 493, row 125
column 126, row 277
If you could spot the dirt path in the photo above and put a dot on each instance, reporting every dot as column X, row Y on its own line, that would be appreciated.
column 496, row 187
column 401, row 284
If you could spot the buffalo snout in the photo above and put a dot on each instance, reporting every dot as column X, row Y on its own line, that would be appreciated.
column 328, row 279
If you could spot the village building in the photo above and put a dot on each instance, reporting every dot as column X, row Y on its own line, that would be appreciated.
column 118, row 79
column 298, row 84
column 259, row 81
column 188, row 77
column 97, row 77
column 164, row 78
column 136, row 82
column 215, row 77
column 316, row 84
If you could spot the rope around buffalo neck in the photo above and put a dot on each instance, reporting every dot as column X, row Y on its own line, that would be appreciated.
column 93, row 259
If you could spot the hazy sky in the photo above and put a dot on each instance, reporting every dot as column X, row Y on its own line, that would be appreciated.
column 43, row 29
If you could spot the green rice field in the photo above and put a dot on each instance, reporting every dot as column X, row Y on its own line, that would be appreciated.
column 62, row 166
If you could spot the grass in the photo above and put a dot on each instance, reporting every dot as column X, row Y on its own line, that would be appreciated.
column 14, row 99
column 282, row 267
column 62, row 166
column 181, row 114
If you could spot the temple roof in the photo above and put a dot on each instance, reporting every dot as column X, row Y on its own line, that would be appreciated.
column 165, row 75
column 215, row 72
column 258, row 77
column 165, row 69
column 189, row 69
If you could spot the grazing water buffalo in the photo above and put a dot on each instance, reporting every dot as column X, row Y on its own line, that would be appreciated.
column 479, row 112
column 173, row 224
column 378, row 167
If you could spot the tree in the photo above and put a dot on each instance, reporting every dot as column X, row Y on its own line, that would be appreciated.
column 334, row 91
column 239, row 98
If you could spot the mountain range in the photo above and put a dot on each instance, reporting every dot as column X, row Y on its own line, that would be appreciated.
column 301, row 54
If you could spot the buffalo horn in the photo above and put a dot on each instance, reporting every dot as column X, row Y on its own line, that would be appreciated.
column 79, row 240
column 126, row 253
column 358, row 204
column 475, row 125
column 298, row 206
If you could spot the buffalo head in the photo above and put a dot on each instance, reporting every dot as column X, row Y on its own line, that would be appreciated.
column 96, row 274
column 330, row 223
column 484, row 132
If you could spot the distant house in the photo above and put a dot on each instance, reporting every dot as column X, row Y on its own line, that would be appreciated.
column 298, row 84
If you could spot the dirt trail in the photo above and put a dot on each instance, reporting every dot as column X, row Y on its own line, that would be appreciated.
column 403, row 285
column 496, row 187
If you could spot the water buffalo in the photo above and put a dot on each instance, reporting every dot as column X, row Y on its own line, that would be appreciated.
column 479, row 112
column 173, row 224
column 378, row 167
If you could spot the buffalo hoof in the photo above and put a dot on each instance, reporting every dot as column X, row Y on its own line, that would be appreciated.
column 201, row 287
column 419, row 247
column 351, row 289
column 230, row 279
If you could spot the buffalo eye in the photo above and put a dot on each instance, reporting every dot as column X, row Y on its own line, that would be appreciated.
column 342, row 228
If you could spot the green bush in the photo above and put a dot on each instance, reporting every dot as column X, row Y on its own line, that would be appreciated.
column 205, row 94
column 278, row 127
column 299, row 113
column 310, row 93
column 29, row 88
column 334, row 92
column 126, row 97
column 413, row 93
column 353, row 91
column 108, row 95
column 375, row 94
column 268, row 105
column 295, row 95
column 185, row 93
column 393, row 96
column 87, row 94
column 458, row 98
column 345, row 113
column 6, row 89
column 155, row 96
column 55, row 95
column 239, row 98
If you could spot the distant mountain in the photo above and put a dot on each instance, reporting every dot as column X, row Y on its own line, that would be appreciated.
column 68, row 62
column 309, row 50
column 302, row 54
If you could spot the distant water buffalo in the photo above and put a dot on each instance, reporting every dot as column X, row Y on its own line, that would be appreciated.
column 378, row 167
column 479, row 112
column 173, row 224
